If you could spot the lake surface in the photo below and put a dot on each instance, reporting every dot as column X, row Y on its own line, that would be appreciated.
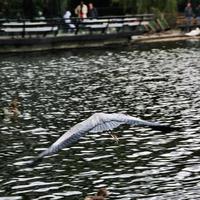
column 59, row 89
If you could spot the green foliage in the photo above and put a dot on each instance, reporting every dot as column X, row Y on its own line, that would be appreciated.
column 64, row 5
column 10, row 7
column 38, row 5
column 145, row 6
column 13, row 7
column 170, row 6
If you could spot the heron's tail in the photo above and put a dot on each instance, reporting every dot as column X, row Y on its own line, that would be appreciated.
column 51, row 150
column 39, row 158
column 35, row 162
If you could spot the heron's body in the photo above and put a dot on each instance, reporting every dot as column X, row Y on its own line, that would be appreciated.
column 98, row 122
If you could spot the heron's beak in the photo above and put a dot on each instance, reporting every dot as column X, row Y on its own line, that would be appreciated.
column 115, row 138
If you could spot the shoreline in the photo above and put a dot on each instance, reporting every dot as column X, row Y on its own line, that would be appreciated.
column 167, row 36
column 69, row 42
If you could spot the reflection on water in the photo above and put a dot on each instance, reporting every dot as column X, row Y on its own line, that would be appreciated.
column 58, row 90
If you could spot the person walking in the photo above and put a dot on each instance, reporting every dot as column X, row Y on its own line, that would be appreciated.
column 189, row 15
column 92, row 11
column 81, row 10
column 67, row 19
column 197, row 12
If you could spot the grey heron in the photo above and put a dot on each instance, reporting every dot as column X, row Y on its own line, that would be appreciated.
column 98, row 122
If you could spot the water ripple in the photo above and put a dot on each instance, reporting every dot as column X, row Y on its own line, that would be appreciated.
column 58, row 90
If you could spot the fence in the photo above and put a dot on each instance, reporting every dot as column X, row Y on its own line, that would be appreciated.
column 74, row 26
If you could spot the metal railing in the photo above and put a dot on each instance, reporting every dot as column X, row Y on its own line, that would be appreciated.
column 73, row 26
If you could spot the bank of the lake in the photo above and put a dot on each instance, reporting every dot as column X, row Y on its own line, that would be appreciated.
column 54, row 34
column 18, row 44
column 168, row 36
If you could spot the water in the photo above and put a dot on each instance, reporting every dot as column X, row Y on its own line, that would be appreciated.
column 57, row 90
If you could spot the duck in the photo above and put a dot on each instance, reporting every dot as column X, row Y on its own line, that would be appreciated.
column 102, row 194
column 12, row 111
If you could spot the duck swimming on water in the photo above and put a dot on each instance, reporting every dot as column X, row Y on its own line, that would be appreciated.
column 12, row 110
column 101, row 195
column 98, row 122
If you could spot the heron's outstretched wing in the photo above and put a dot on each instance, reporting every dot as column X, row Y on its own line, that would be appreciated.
column 98, row 122
column 105, row 122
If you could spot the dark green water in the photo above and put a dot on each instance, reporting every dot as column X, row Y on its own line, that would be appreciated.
column 57, row 90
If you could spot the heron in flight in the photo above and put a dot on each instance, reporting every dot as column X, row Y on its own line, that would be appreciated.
column 98, row 122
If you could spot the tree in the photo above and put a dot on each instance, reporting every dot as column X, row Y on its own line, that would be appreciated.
column 28, row 9
column 145, row 6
